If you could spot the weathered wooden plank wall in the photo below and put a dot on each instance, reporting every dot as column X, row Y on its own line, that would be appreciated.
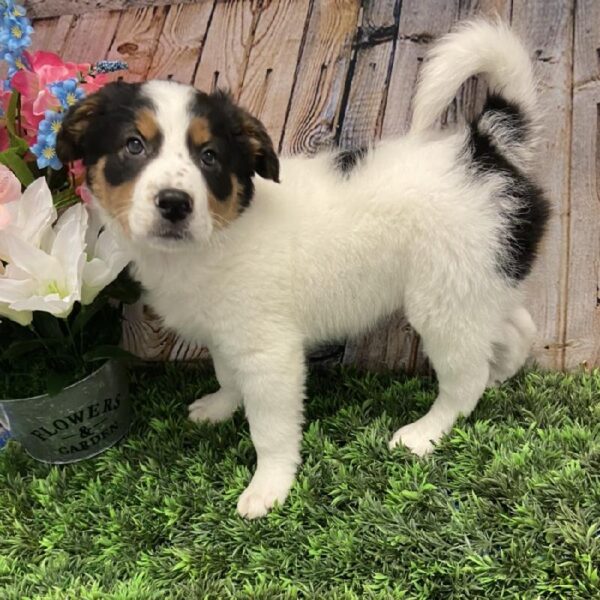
column 582, row 321
column 319, row 72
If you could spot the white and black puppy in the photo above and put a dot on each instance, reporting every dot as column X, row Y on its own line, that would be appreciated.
column 441, row 224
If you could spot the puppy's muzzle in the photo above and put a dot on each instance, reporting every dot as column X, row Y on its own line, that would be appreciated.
column 174, row 205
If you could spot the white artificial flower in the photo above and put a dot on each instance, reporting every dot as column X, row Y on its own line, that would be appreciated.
column 105, row 258
column 46, row 278
column 29, row 218
column 49, row 268
column 22, row 317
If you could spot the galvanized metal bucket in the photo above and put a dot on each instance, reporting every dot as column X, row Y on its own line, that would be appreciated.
column 79, row 422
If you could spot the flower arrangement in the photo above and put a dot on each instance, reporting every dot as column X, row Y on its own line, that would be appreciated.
column 62, row 277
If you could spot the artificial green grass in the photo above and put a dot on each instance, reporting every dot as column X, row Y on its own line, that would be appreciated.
column 507, row 507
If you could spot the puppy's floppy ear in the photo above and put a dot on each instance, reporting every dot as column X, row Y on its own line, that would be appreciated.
column 266, row 162
column 69, row 146
column 253, row 132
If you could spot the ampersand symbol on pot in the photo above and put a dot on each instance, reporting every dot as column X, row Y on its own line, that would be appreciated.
column 85, row 431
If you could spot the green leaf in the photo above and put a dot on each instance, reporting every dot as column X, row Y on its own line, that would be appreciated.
column 47, row 325
column 410, row 494
column 17, row 165
column 108, row 352
column 17, row 349
column 19, row 145
column 11, row 112
column 87, row 312
column 16, row 142
column 65, row 198
column 57, row 382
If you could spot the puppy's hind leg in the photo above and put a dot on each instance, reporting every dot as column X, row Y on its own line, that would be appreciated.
column 459, row 349
column 220, row 405
column 513, row 347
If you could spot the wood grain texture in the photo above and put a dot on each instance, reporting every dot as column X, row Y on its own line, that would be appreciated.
column 136, row 40
column 225, row 54
column 582, row 323
column 88, row 37
column 547, row 29
column 320, row 76
column 268, row 80
column 39, row 9
column 145, row 336
column 43, row 34
column 181, row 43
column 364, row 106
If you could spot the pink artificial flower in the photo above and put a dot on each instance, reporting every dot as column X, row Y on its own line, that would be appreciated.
column 10, row 186
column 4, row 99
column 83, row 191
column 4, row 218
column 10, row 190
column 4, row 139
column 93, row 84
column 77, row 172
column 45, row 68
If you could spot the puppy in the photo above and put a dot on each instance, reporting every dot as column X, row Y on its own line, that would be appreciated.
column 441, row 224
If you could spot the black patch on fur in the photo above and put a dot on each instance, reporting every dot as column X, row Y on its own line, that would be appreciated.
column 218, row 177
column 101, row 129
column 111, row 121
column 236, row 151
column 346, row 160
column 509, row 115
column 121, row 166
column 528, row 216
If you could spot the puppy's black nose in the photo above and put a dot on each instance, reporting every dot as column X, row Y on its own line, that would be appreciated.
column 174, row 205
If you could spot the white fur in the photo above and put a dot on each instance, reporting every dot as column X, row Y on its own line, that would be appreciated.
column 322, row 256
column 172, row 168
column 476, row 47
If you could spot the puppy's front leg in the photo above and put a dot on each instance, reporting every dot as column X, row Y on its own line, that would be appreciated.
column 273, row 391
column 218, row 406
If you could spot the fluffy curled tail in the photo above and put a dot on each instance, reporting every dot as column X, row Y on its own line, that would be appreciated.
column 492, row 49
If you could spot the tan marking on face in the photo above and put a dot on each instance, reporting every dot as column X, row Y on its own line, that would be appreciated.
column 145, row 121
column 223, row 212
column 115, row 199
column 200, row 131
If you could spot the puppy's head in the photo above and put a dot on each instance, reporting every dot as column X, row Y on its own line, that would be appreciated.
column 170, row 164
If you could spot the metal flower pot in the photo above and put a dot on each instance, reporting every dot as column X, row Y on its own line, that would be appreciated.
column 79, row 422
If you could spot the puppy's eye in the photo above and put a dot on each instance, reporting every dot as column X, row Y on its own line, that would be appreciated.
column 134, row 145
column 208, row 157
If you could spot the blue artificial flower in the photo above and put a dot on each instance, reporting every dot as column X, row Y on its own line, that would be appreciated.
column 50, row 126
column 45, row 151
column 15, row 37
column 16, row 62
column 8, row 8
column 109, row 66
column 15, row 33
column 67, row 92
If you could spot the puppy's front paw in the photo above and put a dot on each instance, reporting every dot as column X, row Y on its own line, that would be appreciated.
column 264, row 491
column 419, row 437
column 214, row 408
